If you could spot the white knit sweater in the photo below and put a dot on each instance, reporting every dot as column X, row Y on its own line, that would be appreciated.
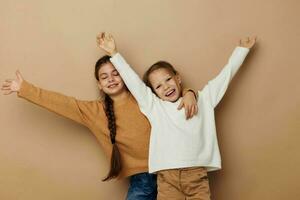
column 176, row 142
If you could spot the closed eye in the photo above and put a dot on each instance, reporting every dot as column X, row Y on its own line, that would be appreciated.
column 104, row 77
column 157, row 87
column 115, row 73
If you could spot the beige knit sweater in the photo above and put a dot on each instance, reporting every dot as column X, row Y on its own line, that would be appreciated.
column 133, row 129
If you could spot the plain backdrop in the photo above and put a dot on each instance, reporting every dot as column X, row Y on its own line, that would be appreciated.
column 44, row 156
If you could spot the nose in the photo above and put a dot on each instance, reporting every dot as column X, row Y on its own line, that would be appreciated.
column 111, row 79
column 165, row 86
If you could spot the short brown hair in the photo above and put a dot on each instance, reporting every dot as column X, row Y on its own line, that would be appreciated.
column 158, row 65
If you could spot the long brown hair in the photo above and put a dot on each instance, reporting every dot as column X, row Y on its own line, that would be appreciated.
column 115, row 161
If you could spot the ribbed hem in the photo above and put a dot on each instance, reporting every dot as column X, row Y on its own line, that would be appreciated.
column 131, row 172
column 25, row 86
column 184, row 164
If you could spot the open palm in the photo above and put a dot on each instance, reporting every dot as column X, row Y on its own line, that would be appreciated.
column 248, row 42
column 106, row 42
column 12, row 85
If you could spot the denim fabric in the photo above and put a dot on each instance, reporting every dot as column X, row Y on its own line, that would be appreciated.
column 142, row 187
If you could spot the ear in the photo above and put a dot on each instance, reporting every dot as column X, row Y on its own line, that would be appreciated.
column 178, row 77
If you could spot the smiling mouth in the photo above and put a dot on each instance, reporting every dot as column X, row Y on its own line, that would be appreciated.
column 170, row 93
column 113, row 85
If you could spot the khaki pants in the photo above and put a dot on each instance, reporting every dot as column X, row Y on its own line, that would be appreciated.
column 183, row 184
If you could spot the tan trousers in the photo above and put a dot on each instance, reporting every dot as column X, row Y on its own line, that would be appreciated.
column 183, row 184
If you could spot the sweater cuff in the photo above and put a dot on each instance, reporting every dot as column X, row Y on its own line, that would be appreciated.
column 117, row 58
column 25, row 87
column 242, row 49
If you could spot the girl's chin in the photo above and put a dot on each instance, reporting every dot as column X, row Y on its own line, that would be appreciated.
column 115, row 91
column 172, row 98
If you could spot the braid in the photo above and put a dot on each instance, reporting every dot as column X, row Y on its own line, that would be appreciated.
column 109, row 111
column 115, row 163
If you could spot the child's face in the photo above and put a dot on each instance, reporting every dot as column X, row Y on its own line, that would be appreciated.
column 165, row 84
column 110, row 82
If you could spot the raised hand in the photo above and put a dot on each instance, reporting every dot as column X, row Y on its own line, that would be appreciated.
column 248, row 42
column 106, row 42
column 12, row 85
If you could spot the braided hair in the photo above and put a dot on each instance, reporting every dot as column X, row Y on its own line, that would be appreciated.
column 115, row 161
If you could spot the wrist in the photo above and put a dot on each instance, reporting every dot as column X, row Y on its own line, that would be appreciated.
column 113, row 53
column 194, row 93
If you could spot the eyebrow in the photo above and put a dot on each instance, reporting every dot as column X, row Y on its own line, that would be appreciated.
column 107, row 73
column 169, row 76
column 103, row 74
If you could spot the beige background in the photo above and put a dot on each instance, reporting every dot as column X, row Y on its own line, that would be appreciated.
column 44, row 156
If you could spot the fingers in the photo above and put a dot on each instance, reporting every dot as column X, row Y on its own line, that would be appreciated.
column 19, row 76
column 187, row 112
column 191, row 113
column 253, row 37
column 180, row 105
column 252, row 41
column 8, row 92
column 99, row 39
column 6, row 84
column 110, row 37
column 193, row 110
column 190, row 110
column 196, row 109
column 100, row 35
column 248, row 42
column 6, row 88
column 104, row 36
column 107, row 36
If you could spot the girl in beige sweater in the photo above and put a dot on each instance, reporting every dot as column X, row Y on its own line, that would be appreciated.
column 116, row 121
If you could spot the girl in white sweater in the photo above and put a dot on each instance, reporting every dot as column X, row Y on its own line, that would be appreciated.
column 181, row 151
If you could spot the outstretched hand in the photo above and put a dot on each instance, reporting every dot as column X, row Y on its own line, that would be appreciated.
column 248, row 42
column 12, row 85
column 106, row 42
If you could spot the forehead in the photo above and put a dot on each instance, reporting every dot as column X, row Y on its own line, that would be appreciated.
column 159, row 75
column 106, row 68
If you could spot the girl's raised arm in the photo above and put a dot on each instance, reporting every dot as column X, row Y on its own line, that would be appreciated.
column 12, row 85
column 136, row 86
column 143, row 94
column 218, row 86
column 80, row 111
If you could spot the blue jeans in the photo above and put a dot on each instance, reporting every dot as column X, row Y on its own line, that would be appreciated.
column 142, row 187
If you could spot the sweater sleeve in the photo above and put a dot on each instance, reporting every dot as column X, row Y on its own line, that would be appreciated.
column 143, row 94
column 218, row 86
column 82, row 112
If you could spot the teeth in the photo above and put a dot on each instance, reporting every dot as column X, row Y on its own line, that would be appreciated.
column 111, row 86
column 169, row 93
